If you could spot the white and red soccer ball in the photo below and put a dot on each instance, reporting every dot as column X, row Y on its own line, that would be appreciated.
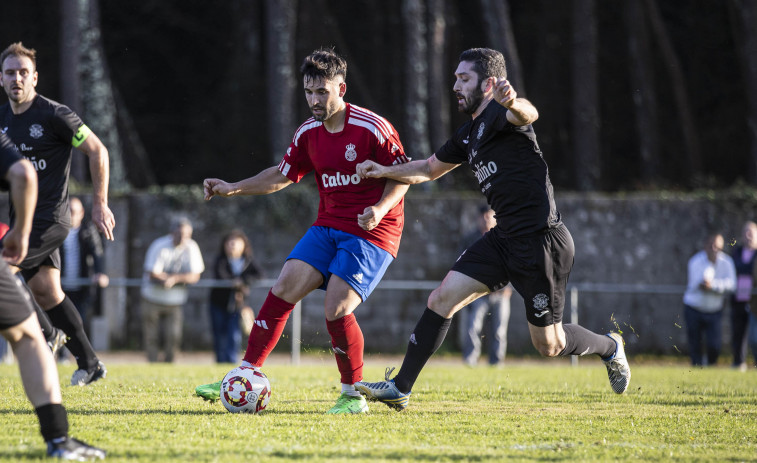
column 245, row 390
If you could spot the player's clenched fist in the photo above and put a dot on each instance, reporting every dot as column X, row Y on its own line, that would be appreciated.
column 504, row 93
column 369, row 169
column 215, row 187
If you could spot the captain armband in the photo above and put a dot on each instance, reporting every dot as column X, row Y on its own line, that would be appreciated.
column 80, row 136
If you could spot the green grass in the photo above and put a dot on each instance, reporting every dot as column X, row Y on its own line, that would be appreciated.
column 534, row 411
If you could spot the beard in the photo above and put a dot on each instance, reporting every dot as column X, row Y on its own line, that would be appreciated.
column 470, row 103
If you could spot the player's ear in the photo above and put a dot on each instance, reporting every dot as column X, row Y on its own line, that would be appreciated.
column 342, row 89
column 488, row 84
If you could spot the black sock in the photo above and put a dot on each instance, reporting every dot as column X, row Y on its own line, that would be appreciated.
column 66, row 317
column 44, row 321
column 427, row 336
column 580, row 341
column 53, row 421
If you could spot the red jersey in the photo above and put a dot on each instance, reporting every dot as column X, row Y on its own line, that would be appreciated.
column 333, row 157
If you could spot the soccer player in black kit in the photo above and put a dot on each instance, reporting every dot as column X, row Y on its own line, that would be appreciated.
column 530, row 246
column 18, row 322
column 45, row 132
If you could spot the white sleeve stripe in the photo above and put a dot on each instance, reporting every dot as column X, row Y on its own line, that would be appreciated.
column 371, row 116
column 284, row 167
column 371, row 127
column 386, row 132
column 309, row 124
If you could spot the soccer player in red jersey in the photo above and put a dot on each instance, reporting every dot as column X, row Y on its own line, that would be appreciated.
column 356, row 234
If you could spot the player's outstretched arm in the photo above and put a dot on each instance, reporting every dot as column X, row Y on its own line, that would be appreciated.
column 372, row 215
column 266, row 182
column 520, row 111
column 23, row 181
column 413, row 172
column 99, row 168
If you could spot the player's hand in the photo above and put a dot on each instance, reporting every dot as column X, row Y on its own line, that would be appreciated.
column 15, row 247
column 370, row 218
column 370, row 169
column 504, row 93
column 104, row 219
column 215, row 187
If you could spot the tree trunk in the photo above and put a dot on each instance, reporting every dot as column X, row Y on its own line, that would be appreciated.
column 644, row 98
column 499, row 34
column 416, row 79
column 693, row 162
column 745, row 13
column 439, row 91
column 281, row 22
column 585, row 96
column 72, row 22
column 99, row 110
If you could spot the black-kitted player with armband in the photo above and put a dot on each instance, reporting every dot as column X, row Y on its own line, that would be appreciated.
column 529, row 247
column 45, row 132
column 18, row 321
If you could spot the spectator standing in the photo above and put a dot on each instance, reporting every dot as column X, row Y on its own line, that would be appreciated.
column 82, row 256
column 743, row 259
column 172, row 262
column 235, row 264
column 495, row 307
column 711, row 275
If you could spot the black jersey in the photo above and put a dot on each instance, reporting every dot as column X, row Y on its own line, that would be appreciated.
column 45, row 134
column 510, row 170
column 8, row 156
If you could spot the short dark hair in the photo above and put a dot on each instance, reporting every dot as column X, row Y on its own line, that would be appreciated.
column 18, row 49
column 486, row 62
column 324, row 63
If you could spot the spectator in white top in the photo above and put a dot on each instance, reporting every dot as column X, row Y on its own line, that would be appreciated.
column 711, row 277
column 172, row 262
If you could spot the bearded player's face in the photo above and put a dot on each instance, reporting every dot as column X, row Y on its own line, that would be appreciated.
column 467, row 88
column 324, row 96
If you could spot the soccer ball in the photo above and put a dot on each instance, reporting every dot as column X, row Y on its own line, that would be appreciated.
column 245, row 390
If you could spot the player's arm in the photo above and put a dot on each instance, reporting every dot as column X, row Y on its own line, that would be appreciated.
column 99, row 168
column 23, row 186
column 372, row 215
column 520, row 111
column 266, row 182
column 422, row 170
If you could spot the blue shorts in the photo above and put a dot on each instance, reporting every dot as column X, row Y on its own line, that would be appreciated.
column 355, row 260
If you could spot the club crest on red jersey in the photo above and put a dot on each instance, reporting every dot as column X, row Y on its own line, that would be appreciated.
column 350, row 154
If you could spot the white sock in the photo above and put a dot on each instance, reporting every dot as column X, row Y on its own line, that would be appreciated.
column 350, row 390
column 247, row 364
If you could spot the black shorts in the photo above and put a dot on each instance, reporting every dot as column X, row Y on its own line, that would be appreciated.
column 44, row 248
column 538, row 267
column 15, row 303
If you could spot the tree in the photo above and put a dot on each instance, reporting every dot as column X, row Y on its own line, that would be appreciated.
column 585, row 96
column 745, row 13
column 416, row 78
column 281, row 22
column 84, row 57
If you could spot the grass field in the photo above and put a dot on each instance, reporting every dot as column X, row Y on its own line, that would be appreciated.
column 527, row 411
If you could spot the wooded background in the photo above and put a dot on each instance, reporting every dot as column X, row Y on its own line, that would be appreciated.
column 638, row 94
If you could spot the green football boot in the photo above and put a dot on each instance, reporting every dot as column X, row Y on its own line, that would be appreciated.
column 349, row 404
column 211, row 392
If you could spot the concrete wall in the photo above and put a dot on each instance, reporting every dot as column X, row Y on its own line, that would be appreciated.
column 624, row 239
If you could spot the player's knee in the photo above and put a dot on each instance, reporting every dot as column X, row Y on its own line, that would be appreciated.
column 549, row 349
column 438, row 304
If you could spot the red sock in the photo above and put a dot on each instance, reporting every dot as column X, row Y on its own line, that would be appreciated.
column 269, row 324
column 347, row 342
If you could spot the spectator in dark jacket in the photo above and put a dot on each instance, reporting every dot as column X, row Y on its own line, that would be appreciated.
column 82, row 256
column 227, row 305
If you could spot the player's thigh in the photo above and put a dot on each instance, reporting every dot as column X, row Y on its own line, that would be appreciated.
column 45, row 286
column 296, row 280
column 456, row 291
